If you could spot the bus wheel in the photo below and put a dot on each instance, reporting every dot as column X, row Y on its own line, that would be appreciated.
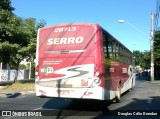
column 118, row 95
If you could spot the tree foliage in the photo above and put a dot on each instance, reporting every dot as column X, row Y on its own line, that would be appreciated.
column 146, row 57
column 157, row 49
column 142, row 59
column 17, row 36
column 6, row 5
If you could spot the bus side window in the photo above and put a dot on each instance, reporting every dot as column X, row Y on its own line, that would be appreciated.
column 114, row 50
column 120, row 53
column 110, row 49
column 117, row 51
column 105, row 44
column 123, row 55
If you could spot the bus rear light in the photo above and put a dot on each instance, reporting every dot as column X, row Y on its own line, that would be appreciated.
column 96, row 71
column 36, row 73
column 37, row 68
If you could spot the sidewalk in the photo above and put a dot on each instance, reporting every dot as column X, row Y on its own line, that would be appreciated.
column 8, row 93
column 147, row 87
column 147, row 78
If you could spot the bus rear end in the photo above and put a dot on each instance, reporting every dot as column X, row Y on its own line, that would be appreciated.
column 66, row 64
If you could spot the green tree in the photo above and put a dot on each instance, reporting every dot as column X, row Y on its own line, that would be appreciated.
column 146, row 58
column 142, row 59
column 6, row 5
column 32, row 27
column 17, row 36
column 157, row 49
column 138, row 57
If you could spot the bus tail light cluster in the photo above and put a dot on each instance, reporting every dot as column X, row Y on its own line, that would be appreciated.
column 96, row 71
column 96, row 75
column 36, row 73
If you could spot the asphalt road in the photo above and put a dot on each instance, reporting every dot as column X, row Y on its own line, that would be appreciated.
column 143, row 98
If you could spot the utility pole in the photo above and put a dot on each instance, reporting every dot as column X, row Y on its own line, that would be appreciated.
column 152, row 46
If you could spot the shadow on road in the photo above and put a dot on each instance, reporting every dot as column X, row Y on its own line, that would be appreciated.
column 77, row 107
column 101, row 110
column 80, row 105
column 9, row 95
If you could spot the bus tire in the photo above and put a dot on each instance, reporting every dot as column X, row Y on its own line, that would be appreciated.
column 118, row 95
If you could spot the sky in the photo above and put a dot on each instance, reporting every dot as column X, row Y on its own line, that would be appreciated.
column 133, row 33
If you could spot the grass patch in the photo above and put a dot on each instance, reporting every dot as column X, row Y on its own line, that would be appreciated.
column 24, row 85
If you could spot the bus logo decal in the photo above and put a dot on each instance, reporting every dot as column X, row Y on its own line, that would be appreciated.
column 46, row 70
column 69, row 40
column 81, row 72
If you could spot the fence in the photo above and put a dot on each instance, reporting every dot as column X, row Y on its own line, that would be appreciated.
column 9, row 75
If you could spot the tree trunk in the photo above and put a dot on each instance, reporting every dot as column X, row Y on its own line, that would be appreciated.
column 16, row 76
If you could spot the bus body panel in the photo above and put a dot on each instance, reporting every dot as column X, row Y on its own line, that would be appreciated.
column 117, row 75
column 66, row 43
column 68, row 59
column 63, row 67
column 74, row 93
column 71, row 63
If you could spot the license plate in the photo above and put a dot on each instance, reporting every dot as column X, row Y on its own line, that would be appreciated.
column 64, row 92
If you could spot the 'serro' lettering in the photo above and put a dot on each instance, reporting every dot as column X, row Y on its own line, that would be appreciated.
column 69, row 40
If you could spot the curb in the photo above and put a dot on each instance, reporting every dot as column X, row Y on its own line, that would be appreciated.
column 153, row 82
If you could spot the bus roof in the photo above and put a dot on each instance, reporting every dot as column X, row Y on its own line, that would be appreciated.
column 72, row 23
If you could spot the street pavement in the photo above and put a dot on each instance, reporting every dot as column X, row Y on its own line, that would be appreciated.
column 145, row 96
column 152, row 88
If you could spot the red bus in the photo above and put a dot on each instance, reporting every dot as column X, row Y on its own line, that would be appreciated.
column 81, row 61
